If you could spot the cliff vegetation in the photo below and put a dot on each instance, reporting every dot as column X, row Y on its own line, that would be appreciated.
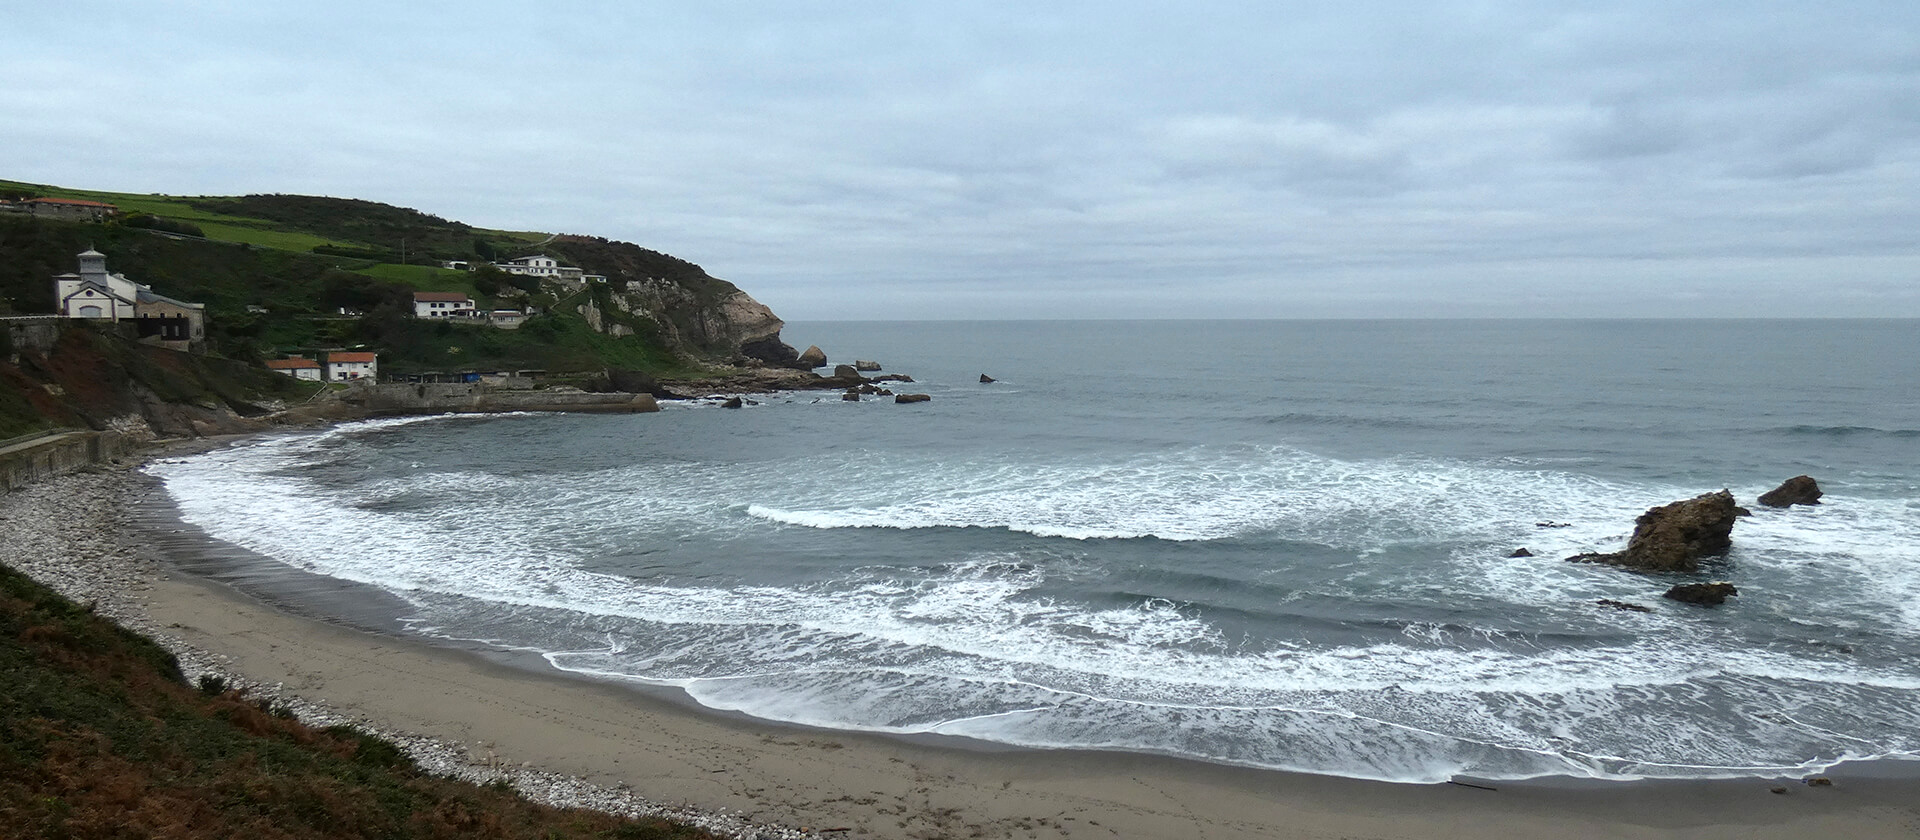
column 100, row 736
column 275, row 271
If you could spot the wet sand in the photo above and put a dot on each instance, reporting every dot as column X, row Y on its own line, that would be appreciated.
column 860, row 785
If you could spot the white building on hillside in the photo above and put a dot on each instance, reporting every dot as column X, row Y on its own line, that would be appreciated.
column 538, row 265
column 442, row 305
column 296, row 367
column 96, row 294
column 345, row 366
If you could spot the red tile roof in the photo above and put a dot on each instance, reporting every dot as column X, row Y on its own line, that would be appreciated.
column 77, row 201
column 448, row 297
column 295, row 363
column 334, row 358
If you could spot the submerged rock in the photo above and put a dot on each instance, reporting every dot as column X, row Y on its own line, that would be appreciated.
column 1521, row 552
column 1673, row 537
column 911, row 398
column 1798, row 490
column 892, row 377
column 1623, row 605
column 813, row 357
column 1705, row 594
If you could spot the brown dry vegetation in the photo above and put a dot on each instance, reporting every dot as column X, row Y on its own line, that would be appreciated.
column 101, row 738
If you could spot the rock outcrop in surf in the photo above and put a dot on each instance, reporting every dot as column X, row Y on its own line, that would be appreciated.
column 1673, row 537
column 1798, row 490
column 1704, row 594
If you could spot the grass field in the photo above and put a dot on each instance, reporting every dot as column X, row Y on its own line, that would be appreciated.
column 222, row 227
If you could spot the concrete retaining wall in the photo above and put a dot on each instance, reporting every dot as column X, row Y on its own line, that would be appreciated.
column 476, row 397
column 33, row 332
column 22, row 464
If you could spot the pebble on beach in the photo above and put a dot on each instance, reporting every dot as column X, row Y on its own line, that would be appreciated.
column 67, row 534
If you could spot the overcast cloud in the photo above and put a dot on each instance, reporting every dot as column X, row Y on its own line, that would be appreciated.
column 990, row 160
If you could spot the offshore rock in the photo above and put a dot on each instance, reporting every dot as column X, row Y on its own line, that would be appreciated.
column 813, row 357
column 851, row 396
column 984, row 379
column 634, row 382
column 1673, row 537
column 732, row 402
column 893, row 377
column 911, row 398
column 1798, row 490
column 771, row 350
column 1624, row 606
column 1704, row 594
column 1521, row 552
column 865, row 366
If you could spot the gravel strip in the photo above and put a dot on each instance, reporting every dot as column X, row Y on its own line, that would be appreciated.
column 66, row 533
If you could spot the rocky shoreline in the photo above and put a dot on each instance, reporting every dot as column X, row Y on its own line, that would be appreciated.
column 70, row 534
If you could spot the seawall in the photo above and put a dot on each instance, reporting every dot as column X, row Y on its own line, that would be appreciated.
column 479, row 397
column 33, row 458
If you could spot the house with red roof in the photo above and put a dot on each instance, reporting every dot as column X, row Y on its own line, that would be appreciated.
column 342, row 367
column 72, row 209
column 297, row 367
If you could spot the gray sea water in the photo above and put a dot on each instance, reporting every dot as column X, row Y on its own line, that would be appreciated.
column 1277, row 544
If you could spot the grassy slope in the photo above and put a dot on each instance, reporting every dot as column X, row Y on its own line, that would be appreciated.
column 267, row 260
column 226, row 227
column 100, row 737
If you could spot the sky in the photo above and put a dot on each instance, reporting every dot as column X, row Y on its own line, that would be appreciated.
column 863, row 160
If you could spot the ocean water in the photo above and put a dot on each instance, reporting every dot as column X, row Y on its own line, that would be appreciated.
column 1275, row 544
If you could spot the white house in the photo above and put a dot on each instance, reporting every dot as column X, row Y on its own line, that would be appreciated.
column 538, row 265
column 297, row 367
column 95, row 293
column 442, row 305
column 344, row 366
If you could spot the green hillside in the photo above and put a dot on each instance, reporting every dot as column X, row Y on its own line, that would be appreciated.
column 302, row 259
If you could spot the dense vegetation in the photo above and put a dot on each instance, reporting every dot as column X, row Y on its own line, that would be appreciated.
column 94, row 376
column 381, row 230
column 100, row 737
column 275, row 271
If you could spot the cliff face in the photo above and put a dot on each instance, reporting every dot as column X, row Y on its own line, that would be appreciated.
column 89, row 378
column 650, row 292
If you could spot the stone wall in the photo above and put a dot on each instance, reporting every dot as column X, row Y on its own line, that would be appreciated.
column 477, row 397
column 25, row 462
column 32, row 332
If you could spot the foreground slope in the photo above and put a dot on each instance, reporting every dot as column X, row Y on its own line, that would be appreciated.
column 101, row 737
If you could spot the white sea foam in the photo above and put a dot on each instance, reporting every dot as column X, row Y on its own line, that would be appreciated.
column 978, row 647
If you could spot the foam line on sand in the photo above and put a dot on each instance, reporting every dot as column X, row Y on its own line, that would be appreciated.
column 487, row 718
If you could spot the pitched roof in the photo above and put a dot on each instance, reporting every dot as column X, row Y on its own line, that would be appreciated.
column 339, row 358
column 81, row 202
column 441, row 297
column 295, row 363
column 146, row 295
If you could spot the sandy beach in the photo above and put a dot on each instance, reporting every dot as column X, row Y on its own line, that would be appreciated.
column 72, row 532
